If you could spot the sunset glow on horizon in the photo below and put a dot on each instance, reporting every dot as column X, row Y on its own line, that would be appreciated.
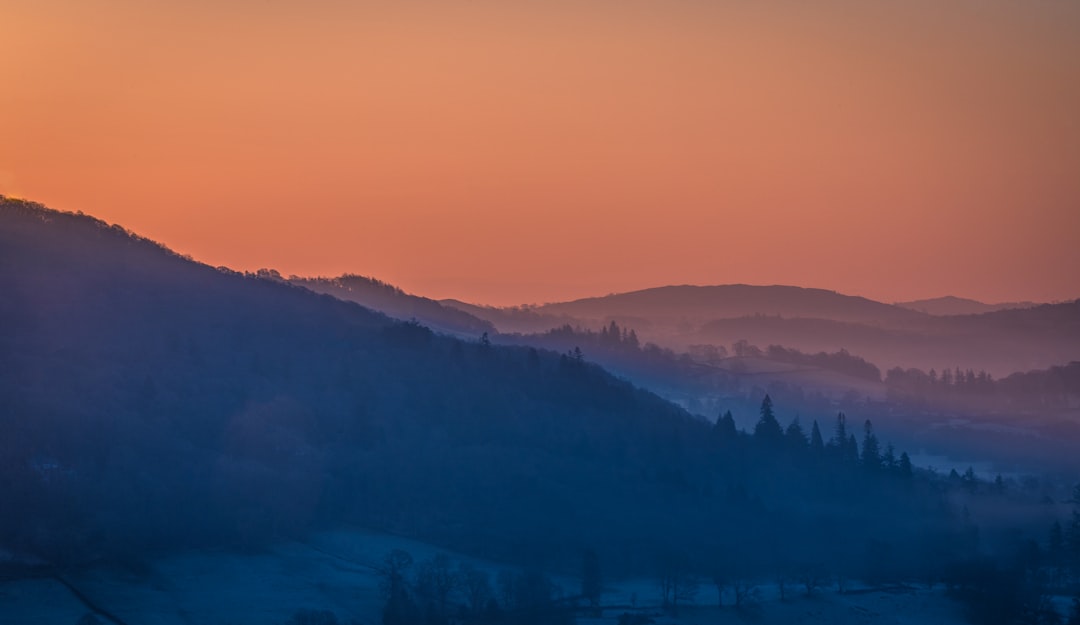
column 518, row 152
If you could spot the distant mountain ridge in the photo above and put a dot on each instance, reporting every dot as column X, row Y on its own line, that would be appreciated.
column 952, row 305
column 733, row 300
column 1002, row 341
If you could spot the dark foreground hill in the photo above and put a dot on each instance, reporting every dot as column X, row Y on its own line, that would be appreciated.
column 151, row 403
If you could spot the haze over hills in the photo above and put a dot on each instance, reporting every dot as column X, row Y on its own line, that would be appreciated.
column 1001, row 342
column 243, row 408
column 952, row 305
column 674, row 303
column 152, row 405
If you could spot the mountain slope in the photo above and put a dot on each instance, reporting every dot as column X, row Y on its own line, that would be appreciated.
column 394, row 302
column 149, row 403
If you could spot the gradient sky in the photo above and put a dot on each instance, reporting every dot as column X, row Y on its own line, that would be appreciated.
column 534, row 151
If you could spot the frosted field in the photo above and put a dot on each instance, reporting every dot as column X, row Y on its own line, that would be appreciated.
column 334, row 571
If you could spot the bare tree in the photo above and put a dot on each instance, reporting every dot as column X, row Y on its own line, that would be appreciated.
column 476, row 587
column 436, row 581
column 720, row 582
column 746, row 591
column 812, row 577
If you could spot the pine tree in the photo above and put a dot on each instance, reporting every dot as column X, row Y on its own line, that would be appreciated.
column 795, row 436
column 1055, row 544
column 905, row 468
column 888, row 460
column 871, row 449
column 970, row 481
column 851, row 450
column 725, row 427
column 768, row 428
column 1072, row 540
column 816, row 444
column 839, row 439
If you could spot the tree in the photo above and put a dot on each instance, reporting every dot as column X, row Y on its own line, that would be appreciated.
column 592, row 584
column 675, row 581
column 812, row 577
column 725, row 427
column 476, row 586
column 795, row 436
column 871, row 449
column 817, row 445
column 969, row 480
column 851, row 450
column 1072, row 540
column 400, row 608
column 746, row 591
column 768, row 428
column 839, row 440
column 719, row 582
column 888, row 460
column 1074, row 613
column 505, row 582
column 904, row 468
column 1055, row 544
column 435, row 581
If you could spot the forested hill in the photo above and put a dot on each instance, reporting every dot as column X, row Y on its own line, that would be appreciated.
column 148, row 402
column 393, row 301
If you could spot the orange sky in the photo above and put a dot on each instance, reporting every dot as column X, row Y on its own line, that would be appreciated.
column 528, row 151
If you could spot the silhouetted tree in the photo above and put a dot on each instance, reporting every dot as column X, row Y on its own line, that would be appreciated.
column 476, row 587
column 725, row 427
column 871, row 450
column 796, row 438
column 768, row 428
column 839, row 440
column 1072, row 541
column 435, row 581
column 904, row 467
column 817, row 445
column 851, row 451
column 888, row 459
column 969, row 481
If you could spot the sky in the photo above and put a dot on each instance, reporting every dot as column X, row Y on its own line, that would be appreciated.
column 523, row 151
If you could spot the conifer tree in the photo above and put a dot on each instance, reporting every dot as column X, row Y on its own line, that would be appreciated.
column 725, row 426
column 817, row 445
column 795, row 435
column 904, row 468
column 768, row 428
column 871, row 450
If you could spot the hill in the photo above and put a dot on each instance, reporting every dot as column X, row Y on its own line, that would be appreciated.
column 150, row 405
column 685, row 317
column 394, row 302
column 952, row 305
column 676, row 303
